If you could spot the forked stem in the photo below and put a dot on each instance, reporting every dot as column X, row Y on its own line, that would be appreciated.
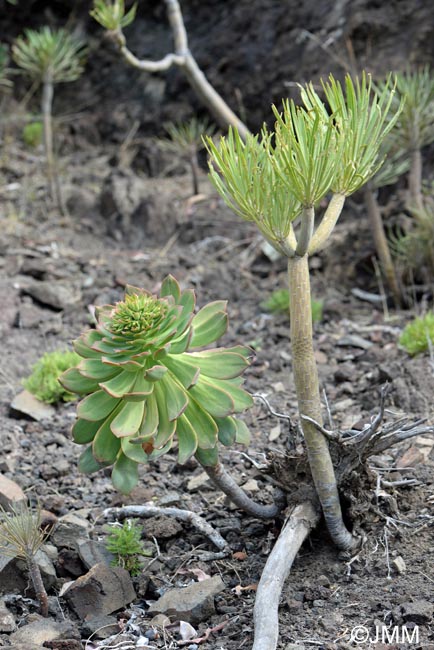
column 309, row 402
column 328, row 222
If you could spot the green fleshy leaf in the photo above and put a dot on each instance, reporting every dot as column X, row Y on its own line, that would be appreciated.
column 120, row 385
column 133, row 451
column 188, row 302
column 141, row 389
column 84, row 431
column 150, row 419
column 170, row 287
column 207, row 457
column 175, row 396
column 73, row 381
column 187, row 439
column 186, row 373
column 203, row 424
column 218, row 363
column 166, row 427
column 105, row 446
column 95, row 369
column 182, row 343
column 227, row 430
column 241, row 398
column 87, row 463
column 83, row 345
column 96, row 406
column 155, row 373
column 127, row 422
column 125, row 475
column 212, row 398
column 160, row 452
column 243, row 434
column 209, row 324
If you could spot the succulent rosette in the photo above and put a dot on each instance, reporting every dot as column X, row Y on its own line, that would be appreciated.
column 146, row 381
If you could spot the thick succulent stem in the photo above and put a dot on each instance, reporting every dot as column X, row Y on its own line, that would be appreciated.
column 381, row 243
column 415, row 179
column 309, row 402
column 47, row 104
column 328, row 222
column 38, row 585
column 226, row 484
column 306, row 231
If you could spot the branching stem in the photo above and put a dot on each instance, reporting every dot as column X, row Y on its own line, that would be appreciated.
column 328, row 222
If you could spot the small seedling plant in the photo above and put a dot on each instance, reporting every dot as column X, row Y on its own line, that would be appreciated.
column 125, row 542
column 21, row 536
column 49, row 57
column 44, row 384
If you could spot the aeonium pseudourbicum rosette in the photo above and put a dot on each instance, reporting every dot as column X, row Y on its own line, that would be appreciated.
column 147, row 381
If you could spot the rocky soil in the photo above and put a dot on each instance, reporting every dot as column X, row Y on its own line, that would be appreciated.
column 130, row 219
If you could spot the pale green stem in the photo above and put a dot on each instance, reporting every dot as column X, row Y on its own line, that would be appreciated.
column 415, row 180
column 381, row 243
column 306, row 230
column 328, row 222
column 47, row 104
column 309, row 402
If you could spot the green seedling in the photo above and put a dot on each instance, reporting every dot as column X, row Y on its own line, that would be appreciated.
column 21, row 536
column 125, row 542
column 278, row 303
column 414, row 249
column 44, row 384
column 275, row 180
column 418, row 336
column 49, row 57
column 147, row 382
column 33, row 134
column 186, row 139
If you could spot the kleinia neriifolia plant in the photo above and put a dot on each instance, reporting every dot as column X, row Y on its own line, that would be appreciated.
column 275, row 180
column 147, row 382
column 49, row 57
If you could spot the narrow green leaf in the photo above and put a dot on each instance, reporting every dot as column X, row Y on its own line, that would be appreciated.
column 105, row 446
column 127, row 422
column 166, row 427
column 209, row 324
column 96, row 406
column 241, row 398
column 150, row 418
column 125, row 475
column 182, row 343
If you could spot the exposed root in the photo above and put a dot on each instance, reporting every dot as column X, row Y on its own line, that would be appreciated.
column 192, row 518
column 304, row 517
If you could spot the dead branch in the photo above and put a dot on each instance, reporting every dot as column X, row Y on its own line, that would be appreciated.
column 189, row 517
column 304, row 517
column 185, row 61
